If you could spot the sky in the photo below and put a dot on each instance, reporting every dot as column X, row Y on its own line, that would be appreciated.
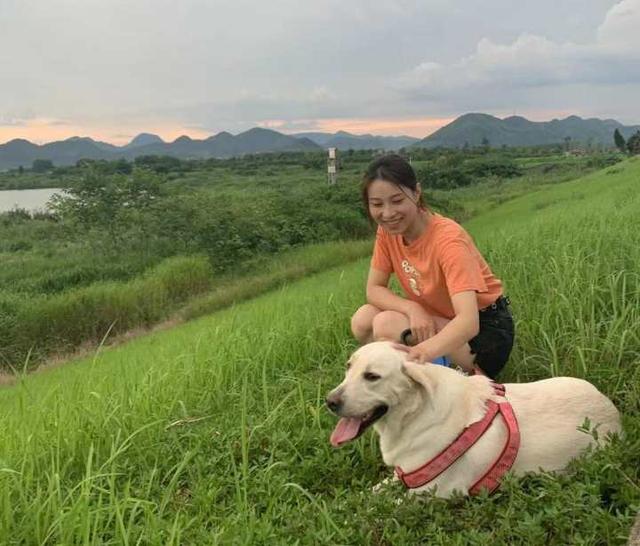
column 110, row 69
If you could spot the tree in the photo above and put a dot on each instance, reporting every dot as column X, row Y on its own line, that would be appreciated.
column 41, row 165
column 107, row 203
column 633, row 144
column 619, row 141
column 161, row 164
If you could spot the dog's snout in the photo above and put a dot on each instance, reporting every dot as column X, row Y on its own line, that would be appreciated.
column 334, row 401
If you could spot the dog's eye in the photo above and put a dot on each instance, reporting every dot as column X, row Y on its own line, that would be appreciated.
column 369, row 376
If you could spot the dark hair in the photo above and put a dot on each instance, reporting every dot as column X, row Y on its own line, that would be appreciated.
column 390, row 168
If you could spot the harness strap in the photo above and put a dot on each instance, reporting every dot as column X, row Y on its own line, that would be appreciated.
column 490, row 479
column 450, row 454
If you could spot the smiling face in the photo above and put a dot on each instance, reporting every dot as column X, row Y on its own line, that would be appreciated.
column 374, row 384
column 395, row 208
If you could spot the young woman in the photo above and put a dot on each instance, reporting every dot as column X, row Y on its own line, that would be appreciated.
column 454, row 304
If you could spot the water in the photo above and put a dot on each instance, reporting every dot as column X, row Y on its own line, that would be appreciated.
column 31, row 200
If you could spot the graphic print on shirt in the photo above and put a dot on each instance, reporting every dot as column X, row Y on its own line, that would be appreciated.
column 413, row 277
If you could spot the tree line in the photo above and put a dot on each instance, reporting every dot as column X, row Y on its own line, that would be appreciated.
column 631, row 146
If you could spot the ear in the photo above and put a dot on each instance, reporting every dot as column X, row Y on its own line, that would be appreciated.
column 419, row 373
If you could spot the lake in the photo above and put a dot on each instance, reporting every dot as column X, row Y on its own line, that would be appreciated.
column 26, row 199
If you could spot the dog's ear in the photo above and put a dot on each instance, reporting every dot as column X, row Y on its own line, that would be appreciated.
column 418, row 373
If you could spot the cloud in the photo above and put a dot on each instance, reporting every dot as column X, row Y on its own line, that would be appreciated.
column 6, row 121
column 215, row 65
column 533, row 61
column 619, row 31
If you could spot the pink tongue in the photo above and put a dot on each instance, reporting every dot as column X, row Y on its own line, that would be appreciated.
column 346, row 429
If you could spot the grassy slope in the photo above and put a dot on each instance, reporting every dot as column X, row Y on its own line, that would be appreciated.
column 215, row 432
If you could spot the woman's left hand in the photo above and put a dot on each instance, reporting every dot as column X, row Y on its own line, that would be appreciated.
column 417, row 353
column 420, row 353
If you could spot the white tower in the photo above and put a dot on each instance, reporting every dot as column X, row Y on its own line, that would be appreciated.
column 332, row 167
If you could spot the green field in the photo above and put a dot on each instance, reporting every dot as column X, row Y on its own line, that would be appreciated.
column 134, row 243
column 215, row 432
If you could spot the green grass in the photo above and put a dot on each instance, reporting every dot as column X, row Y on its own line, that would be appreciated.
column 179, row 288
column 478, row 199
column 215, row 432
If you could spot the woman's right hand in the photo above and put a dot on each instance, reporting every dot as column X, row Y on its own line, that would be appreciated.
column 421, row 323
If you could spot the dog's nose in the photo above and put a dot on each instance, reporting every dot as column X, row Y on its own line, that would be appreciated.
column 334, row 402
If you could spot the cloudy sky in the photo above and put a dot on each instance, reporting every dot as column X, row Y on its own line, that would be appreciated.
column 110, row 69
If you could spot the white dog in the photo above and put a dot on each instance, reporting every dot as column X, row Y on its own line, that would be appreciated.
column 420, row 409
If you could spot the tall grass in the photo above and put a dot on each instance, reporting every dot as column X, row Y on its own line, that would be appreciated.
column 180, row 287
column 41, row 325
column 215, row 432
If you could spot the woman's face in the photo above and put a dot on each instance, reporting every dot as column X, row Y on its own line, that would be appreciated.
column 392, row 207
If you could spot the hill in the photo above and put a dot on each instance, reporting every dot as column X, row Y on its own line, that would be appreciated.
column 472, row 129
column 143, row 139
column 347, row 141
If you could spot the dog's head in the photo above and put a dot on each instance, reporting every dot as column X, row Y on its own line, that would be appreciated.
column 378, row 382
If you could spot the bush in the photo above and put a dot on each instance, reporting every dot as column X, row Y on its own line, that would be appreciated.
column 15, row 216
column 454, row 171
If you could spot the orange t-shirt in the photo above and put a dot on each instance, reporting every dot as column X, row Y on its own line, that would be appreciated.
column 442, row 262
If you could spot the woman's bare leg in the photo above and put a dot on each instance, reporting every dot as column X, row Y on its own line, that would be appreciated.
column 362, row 323
column 371, row 324
column 389, row 325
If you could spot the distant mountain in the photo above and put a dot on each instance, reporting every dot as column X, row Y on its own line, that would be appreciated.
column 472, row 129
column 67, row 152
column 223, row 145
column 347, row 141
column 17, row 152
column 143, row 139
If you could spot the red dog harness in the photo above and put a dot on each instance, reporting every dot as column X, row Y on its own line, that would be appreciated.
column 490, row 480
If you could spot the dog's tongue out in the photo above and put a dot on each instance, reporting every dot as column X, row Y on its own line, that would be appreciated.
column 346, row 430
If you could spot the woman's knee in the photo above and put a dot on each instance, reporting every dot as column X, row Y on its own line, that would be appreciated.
column 362, row 322
column 388, row 325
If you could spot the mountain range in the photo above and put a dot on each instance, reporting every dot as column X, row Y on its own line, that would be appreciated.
column 347, row 141
column 468, row 129
column 223, row 145
column 472, row 129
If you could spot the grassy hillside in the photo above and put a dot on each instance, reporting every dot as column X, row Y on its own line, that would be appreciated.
column 105, row 259
column 215, row 432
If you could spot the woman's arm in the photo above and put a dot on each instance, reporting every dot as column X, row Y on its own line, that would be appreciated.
column 379, row 294
column 463, row 327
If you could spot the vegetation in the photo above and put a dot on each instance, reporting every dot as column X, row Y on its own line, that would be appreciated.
column 619, row 140
column 215, row 432
column 73, row 274
column 633, row 144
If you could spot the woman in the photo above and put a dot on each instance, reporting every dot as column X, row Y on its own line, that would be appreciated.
column 454, row 304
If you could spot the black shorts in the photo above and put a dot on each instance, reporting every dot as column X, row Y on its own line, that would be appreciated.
column 492, row 346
